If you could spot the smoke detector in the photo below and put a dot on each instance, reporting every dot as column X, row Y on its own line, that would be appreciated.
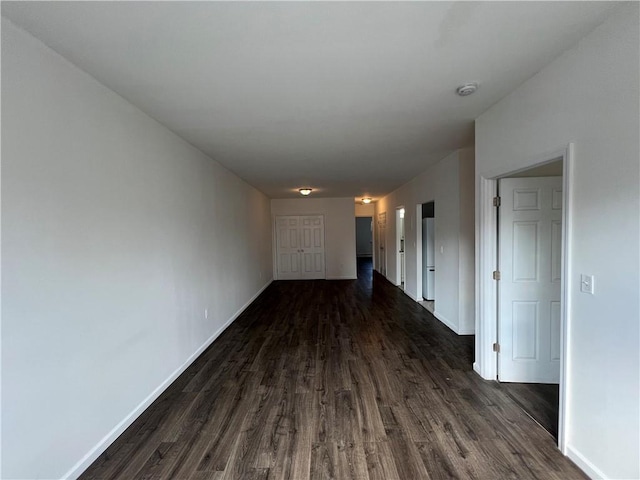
column 466, row 89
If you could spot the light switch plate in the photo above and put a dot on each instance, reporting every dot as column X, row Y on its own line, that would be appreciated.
column 586, row 284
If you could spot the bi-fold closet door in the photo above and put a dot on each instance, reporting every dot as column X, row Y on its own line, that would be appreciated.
column 300, row 247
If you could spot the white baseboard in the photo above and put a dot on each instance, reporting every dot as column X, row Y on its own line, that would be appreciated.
column 344, row 277
column 585, row 465
column 452, row 326
column 446, row 321
column 478, row 370
column 408, row 294
column 467, row 332
column 110, row 437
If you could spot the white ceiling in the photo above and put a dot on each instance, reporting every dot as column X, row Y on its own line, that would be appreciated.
column 351, row 99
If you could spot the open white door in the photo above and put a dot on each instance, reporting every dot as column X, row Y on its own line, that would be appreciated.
column 529, row 311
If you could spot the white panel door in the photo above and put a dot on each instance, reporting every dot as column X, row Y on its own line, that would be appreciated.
column 288, row 247
column 312, row 246
column 530, row 241
column 300, row 247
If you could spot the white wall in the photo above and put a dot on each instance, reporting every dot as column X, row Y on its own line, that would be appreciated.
column 590, row 96
column 116, row 235
column 454, row 236
column 365, row 210
column 447, row 226
column 466, row 251
column 339, row 230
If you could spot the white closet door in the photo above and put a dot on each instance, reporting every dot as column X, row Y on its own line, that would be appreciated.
column 288, row 247
column 300, row 247
column 312, row 246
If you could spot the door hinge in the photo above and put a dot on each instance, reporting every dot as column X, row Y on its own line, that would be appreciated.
column 496, row 274
column 496, row 347
column 496, row 201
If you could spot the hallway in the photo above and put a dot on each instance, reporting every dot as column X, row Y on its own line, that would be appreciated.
column 334, row 379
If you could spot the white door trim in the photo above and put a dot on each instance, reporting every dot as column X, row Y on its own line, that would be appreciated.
column 399, row 258
column 419, row 266
column 486, row 293
column 486, row 363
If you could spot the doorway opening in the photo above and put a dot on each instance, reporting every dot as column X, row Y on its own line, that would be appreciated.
column 427, row 260
column 525, row 314
column 381, row 262
column 364, row 237
column 529, row 250
column 364, row 248
column 400, row 265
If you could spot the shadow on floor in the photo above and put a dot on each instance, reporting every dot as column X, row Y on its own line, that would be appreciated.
column 539, row 401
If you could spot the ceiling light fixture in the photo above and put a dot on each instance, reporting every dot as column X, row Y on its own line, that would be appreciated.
column 305, row 191
column 466, row 89
column 366, row 200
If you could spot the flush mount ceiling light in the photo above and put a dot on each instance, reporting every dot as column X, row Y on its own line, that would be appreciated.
column 366, row 200
column 466, row 89
column 305, row 191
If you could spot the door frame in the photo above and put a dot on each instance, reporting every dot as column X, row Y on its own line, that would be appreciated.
column 486, row 361
column 400, row 259
column 418, row 251
column 372, row 234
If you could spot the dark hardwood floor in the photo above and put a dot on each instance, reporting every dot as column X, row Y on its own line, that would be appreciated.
column 539, row 400
column 334, row 380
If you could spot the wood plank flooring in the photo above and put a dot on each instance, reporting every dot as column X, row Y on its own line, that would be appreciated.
column 334, row 380
column 539, row 400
